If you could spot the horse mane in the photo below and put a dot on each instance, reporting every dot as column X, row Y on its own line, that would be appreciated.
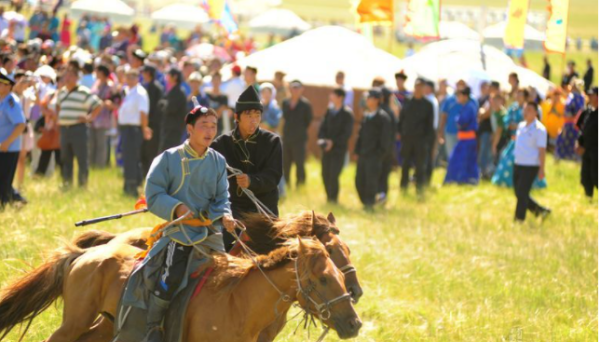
column 229, row 270
column 266, row 235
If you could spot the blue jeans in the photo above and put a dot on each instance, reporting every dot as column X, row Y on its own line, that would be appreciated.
column 484, row 158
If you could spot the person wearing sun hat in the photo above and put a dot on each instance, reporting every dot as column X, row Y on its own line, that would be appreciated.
column 257, row 153
column 12, row 124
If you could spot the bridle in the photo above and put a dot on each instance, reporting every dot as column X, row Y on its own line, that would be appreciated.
column 346, row 269
column 323, row 309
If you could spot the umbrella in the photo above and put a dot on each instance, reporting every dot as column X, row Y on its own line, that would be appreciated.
column 116, row 10
column 208, row 51
column 278, row 21
column 181, row 15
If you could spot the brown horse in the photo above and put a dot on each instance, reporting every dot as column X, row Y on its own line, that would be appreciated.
column 265, row 236
column 101, row 272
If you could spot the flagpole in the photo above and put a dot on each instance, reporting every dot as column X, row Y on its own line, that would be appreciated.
column 564, row 55
column 392, row 29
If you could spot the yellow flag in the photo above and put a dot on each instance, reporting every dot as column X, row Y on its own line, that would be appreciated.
column 514, row 36
column 216, row 8
column 380, row 11
column 556, row 28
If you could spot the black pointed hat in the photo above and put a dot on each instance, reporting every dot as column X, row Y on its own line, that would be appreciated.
column 248, row 100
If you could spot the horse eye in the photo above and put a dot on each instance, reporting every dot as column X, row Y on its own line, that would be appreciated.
column 323, row 280
column 330, row 251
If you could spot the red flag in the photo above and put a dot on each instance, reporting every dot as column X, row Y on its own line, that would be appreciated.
column 141, row 203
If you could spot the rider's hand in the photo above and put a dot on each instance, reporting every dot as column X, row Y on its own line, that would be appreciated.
column 229, row 223
column 181, row 210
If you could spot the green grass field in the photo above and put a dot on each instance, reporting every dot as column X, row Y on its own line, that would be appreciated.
column 454, row 268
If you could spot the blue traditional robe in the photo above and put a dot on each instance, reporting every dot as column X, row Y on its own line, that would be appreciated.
column 462, row 166
column 180, row 176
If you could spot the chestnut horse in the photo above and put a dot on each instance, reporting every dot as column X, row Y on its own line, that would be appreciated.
column 101, row 271
column 265, row 236
column 227, row 309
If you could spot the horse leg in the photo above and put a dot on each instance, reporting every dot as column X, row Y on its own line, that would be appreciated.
column 270, row 332
column 101, row 332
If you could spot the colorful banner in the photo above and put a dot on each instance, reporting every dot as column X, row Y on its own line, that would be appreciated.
column 376, row 11
column 227, row 19
column 556, row 28
column 423, row 19
column 220, row 11
column 214, row 8
column 514, row 36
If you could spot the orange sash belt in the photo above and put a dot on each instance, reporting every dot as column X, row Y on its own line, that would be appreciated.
column 466, row 135
column 157, row 233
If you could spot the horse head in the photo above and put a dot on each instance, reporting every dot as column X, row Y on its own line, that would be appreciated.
column 328, row 233
column 321, row 290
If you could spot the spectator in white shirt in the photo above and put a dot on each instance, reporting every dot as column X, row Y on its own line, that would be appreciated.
column 234, row 87
column 133, row 128
column 530, row 159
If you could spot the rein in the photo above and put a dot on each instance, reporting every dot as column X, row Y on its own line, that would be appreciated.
column 323, row 310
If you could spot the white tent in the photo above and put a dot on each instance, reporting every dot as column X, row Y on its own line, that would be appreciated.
column 116, row 10
column 471, row 61
column 457, row 30
column 494, row 35
column 497, row 31
column 317, row 55
column 180, row 15
column 278, row 21
column 252, row 8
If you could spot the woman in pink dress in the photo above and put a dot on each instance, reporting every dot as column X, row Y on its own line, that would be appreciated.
column 65, row 32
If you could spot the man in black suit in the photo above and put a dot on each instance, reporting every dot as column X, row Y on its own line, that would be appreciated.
column 371, row 148
column 255, row 152
column 297, row 114
column 155, row 93
column 416, row 128
column 334, row 134
column 174, row 109
column 588, row 144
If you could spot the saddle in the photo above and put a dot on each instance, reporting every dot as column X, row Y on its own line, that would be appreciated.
column 130, row 322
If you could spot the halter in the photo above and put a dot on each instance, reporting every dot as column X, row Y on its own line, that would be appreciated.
column 349, row 268
column 322, row 310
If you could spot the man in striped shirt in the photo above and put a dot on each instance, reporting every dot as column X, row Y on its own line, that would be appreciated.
column 76, row 107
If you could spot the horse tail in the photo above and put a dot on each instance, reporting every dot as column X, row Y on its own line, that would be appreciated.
column 92, row 238
column 36, row 291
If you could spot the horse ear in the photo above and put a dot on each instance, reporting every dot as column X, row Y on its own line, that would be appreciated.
column 314, row 220
column 331, row 218
column 301, row 246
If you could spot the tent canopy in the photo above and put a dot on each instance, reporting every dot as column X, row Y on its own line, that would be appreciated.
column 497, row 30
column 182, row 15
column 471, row 61
column 278, row 21
column 116, row 10
column 457, row 30
column 317, row 55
